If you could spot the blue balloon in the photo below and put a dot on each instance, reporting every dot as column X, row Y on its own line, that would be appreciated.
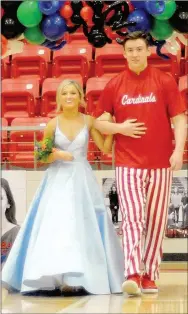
column 138, row 4
column 50, row 7
column 155, row 7
column 52, row 45
column 53, row 27
column 142, row 19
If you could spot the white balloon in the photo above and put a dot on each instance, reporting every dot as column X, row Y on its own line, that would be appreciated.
column 171, row 49
column 183, row 39
column 14, row 46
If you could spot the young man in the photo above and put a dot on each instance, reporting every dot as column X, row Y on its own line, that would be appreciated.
column 144, row 101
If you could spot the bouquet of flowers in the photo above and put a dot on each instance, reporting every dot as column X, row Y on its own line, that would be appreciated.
column 43, row 149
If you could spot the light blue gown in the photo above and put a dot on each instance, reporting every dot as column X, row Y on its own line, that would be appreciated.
column 67, row 236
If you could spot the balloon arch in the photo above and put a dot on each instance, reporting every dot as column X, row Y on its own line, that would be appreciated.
column 45, row 23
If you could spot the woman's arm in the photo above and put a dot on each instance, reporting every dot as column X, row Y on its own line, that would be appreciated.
column 104, row 143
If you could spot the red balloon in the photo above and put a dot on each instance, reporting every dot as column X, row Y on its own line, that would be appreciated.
column 86, row 13
column 66, row 11
column 2, row 12
column 131, row 7
column 4, row 45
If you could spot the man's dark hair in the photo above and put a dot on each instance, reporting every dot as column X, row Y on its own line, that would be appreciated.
column 137, row 35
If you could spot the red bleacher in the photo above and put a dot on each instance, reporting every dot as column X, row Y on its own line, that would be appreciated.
column 72, row 59
column 4, row 139
column 94, row 87
column 19, row 98
column 183, row 87
column 21, row 146
column 33, row 62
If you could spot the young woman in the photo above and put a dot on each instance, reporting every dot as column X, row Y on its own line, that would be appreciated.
column 67, row 239
column 8, row 223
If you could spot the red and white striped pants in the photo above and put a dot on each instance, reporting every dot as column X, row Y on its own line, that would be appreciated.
column 143, row 198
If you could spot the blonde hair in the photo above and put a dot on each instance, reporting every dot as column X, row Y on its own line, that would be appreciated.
column 62, row 85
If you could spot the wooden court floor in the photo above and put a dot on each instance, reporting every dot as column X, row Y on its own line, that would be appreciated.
column 172, row 298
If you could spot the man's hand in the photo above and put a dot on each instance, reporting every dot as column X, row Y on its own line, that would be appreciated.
column 176, row 160
column 132, row 128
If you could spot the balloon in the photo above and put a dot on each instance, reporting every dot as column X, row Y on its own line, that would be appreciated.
column 10, row 26
column 53, row 27
column 179, row 20
column 138, row 4
column 76, row 7
column 53, row 45
column 155, row 7
column 10, row 6
column 161, row 29
column 50, row 7
column 172, row 45
column 28, row 13
column 170, row 8
column 182, row 38
column 86, row 13
column 2, row 12
column 66, row 11
column 4, row 45
column 14, row 46
column 34, row 35
column 119, row 16
column 131, row 7
column 142, row 19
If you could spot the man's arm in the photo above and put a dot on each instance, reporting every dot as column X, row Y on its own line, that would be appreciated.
column 180, row 134
column 180, row 131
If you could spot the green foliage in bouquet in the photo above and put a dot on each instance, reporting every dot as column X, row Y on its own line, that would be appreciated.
column 43, row 149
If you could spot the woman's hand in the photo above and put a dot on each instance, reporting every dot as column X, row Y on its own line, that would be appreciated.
column 63, row 155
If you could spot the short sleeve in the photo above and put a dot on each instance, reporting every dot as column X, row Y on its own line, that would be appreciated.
column 105, row 103
column 175, row 103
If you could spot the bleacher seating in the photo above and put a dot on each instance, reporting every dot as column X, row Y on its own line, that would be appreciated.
column 5, row 68
column 33, row 62
column 94, row 87
column 72, row 59
column 171, row 65
column 183, row 87
column 21, row 146
column 93, row 152
column 4, row 139
column 109, row 60
column 19, row 98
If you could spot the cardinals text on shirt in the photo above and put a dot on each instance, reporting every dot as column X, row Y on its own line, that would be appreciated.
column 126, row 100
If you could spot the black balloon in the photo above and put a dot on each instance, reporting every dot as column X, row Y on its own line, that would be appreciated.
column 97, row 37
column 76, row 7
column 179, row 20
column 183, row 4
column 10, row 26
column 8, row 6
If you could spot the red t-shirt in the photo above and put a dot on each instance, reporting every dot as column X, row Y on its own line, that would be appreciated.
column 151, row 97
